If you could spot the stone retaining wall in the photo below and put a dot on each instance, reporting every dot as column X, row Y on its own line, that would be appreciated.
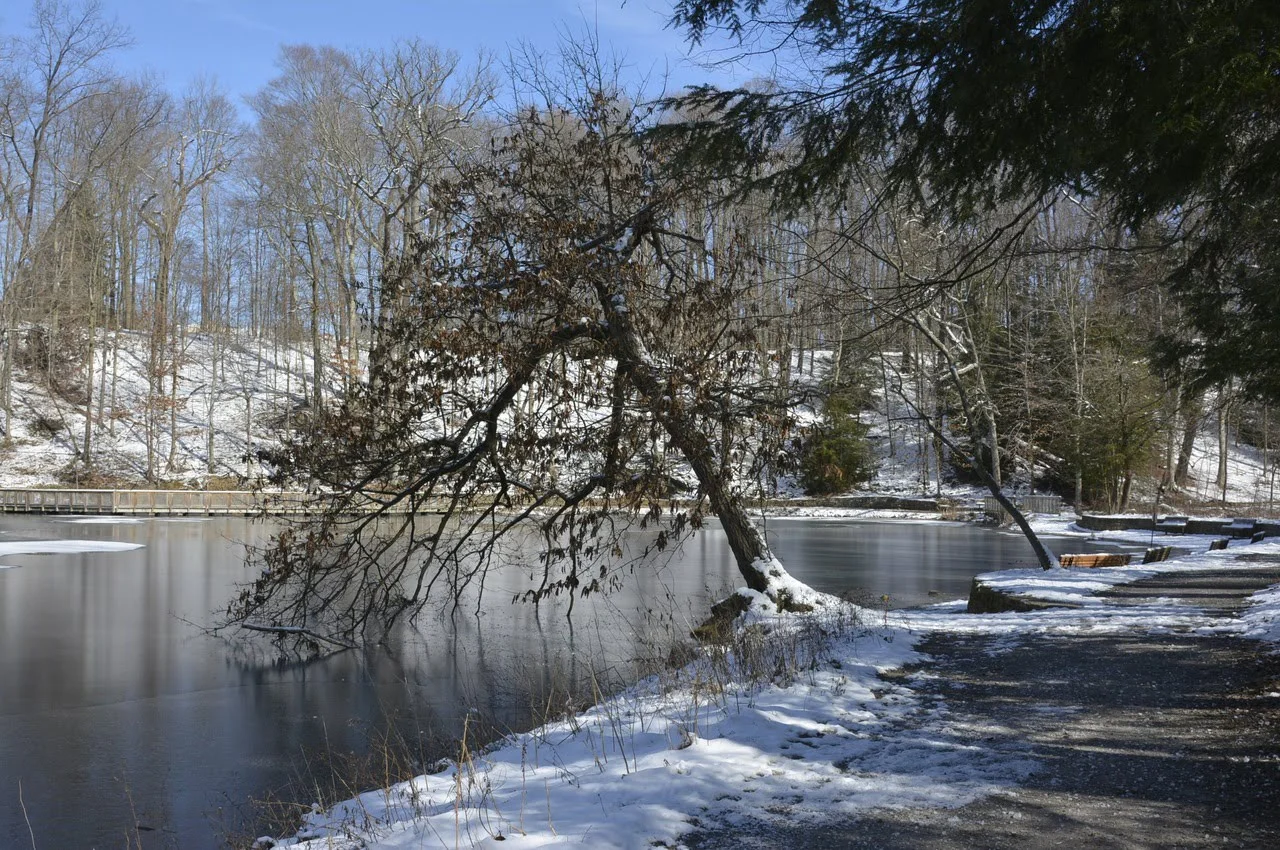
column 1195, row 525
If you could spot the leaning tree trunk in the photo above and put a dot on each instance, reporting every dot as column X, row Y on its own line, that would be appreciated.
column 1047, row 561
column 750, row 551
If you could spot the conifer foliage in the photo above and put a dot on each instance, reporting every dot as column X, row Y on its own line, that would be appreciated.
column 1163, row 110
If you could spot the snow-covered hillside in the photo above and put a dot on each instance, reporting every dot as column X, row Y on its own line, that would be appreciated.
column 241, row 391
column 244, row 391
column 1250, row 480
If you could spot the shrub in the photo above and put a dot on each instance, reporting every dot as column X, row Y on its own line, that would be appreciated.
column 835, row 456
column 46, row 426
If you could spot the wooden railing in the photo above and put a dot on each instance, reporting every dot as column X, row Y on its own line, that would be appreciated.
column 152, row 502
column 1048, row 504
column 244, row 503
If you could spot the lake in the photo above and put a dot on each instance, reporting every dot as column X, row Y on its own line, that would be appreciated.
column 123, row 722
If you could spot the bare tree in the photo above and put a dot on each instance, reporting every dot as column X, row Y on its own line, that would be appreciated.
column 45, row 76
column 196, row 146
column 526, row 387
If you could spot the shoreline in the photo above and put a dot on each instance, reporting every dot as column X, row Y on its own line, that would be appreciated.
column 663, row 761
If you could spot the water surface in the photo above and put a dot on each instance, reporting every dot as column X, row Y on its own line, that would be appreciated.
column 124, row 722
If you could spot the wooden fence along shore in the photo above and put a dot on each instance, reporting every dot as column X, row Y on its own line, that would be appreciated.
column 243, row 503
column 152, row 502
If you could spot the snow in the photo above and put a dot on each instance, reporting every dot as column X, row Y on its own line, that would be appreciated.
column 711, row 745
column 633, row 771
column 244, row 388
column 714, row 743
column 1249, row 480
column 62, row 547
column 101, row 520
column 241, row 386
column 782, row 583
column 1262, row 620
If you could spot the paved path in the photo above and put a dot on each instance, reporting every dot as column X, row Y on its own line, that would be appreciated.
column 1145, row 741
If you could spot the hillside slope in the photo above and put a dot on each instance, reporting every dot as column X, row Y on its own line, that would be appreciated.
column 241, row 392
column 244, row 391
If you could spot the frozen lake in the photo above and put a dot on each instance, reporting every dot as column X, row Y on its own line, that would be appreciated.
column 123, row 721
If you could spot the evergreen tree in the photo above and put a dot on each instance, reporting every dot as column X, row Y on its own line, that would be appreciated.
column 1168, row 110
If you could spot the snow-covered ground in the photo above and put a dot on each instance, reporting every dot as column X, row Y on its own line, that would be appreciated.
column 702, row 745
column 244, row 389
column 241, row 389
column 1248, row 478
column 710, row 746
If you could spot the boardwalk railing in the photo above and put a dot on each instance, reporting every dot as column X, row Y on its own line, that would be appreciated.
column 152, row 502
column 243, row 503
column 1049, row 504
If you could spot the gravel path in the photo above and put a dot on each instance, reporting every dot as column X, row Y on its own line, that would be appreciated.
column 1144, row 741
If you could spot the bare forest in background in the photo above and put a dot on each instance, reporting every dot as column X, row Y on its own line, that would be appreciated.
column 125, row 210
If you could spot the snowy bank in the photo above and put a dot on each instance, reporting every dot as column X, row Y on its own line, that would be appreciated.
column 712, row 744
column 719, row 744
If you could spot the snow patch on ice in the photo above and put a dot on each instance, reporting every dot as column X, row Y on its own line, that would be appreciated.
column 62, row 547
column 102, row 520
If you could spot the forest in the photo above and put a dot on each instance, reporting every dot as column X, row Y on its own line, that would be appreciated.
column 132, row 212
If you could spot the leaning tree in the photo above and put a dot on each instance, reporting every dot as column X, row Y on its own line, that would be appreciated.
column 563, row 348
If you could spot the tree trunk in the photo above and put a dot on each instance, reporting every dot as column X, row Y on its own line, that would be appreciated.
column 750, row 552
column 317, row 358
column 180, row 344
column 156, row 361
column 888, row 412
column 6, row 368
column 1221, row 480
column 210, row 462
column 1046, row 560
column 993, row 445
column 1191, row 425
column 90, row 357
column 115, row 381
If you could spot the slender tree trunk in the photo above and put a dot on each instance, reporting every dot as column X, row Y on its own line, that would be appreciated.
column 1221, row 479
column 1266, row 439
column 89, row 362
column 210, row 462
column 100, row 413
column 888, row 411
column 750, row 551
column 6, row 369
column 159, row 335
column 115, row 381
column 179, row 341
column 317, row 355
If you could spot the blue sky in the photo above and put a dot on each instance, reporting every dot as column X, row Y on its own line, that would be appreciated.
column 236, row 41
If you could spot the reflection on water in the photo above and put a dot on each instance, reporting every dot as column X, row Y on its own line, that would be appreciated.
column 116, row 709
